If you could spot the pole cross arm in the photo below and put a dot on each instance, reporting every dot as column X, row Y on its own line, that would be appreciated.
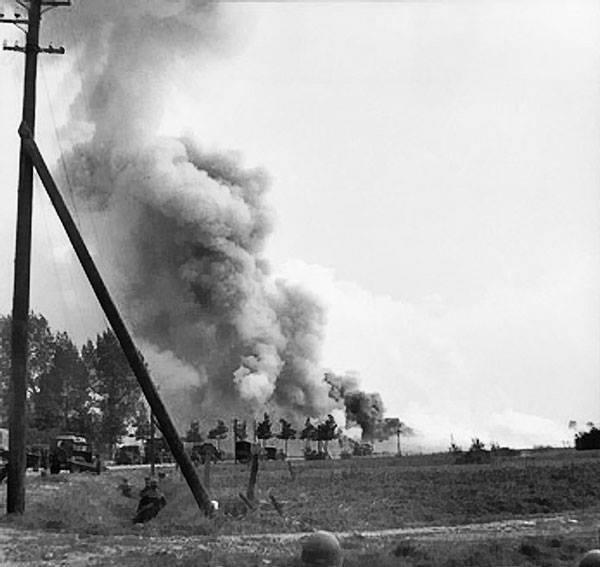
column 52, row 50
column 24, row 49
column 15, row 21
column 14, row 47
column 112, row 314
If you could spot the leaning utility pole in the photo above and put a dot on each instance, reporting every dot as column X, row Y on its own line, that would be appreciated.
column 15, row 498
column 136, row 362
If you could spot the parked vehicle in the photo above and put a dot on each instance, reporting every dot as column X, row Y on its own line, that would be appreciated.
column 128, row 455
column 36, row 455
column 204, row 452
column 243, row 451
column 70, row 452
column 312, row 455
column 362, row 450
column 274, row 454
column 162, row 453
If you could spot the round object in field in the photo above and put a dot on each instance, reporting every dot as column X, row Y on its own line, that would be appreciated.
column 322, row 549
column 591, row 559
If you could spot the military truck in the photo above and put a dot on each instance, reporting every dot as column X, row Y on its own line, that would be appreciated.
column 162, row 453
column 243, row 451
column 128, row 455
column 70, row 452
column 36, row 455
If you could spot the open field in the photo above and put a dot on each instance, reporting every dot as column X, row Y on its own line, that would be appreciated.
column 544, row 507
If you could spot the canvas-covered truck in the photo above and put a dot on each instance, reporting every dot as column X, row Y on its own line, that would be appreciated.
column 36, row 455
column 72, row 453
column 128, row 455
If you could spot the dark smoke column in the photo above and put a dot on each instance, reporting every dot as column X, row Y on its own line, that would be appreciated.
column 362, row 409
column 183, row 230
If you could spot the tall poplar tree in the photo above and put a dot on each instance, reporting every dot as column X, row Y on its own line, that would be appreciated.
column 114, row 387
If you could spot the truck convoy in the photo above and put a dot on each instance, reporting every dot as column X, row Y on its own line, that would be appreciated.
column 65, row 452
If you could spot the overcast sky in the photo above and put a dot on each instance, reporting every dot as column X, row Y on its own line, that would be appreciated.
column 435, row 180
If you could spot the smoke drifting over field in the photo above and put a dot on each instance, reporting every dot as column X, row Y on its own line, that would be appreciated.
column 185, row 228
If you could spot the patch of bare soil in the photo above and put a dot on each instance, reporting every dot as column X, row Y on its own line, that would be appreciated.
column 23, row 547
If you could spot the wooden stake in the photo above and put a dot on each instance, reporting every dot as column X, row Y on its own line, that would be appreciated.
column 207, row 474
column 292, row 471
column 253, row 476
column 247, row 502
column 278, row 507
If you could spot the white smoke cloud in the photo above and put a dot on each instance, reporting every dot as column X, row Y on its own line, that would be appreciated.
column 256, row 378
column 500, row 370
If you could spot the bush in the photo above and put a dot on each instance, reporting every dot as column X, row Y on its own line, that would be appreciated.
column 588, row 440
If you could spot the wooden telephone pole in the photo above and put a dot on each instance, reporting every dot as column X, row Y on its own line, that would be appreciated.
column 15, row 499
column 31, row 158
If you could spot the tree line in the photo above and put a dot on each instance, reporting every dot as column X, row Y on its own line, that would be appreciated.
column 92, row 391
column 263, row 431
column 89, row 390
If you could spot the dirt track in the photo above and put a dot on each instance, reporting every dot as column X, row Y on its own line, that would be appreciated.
column 19, row 547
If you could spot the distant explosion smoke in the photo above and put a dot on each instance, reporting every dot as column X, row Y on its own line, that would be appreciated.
column 180, row 231
column 184, row 229
column 363, row 409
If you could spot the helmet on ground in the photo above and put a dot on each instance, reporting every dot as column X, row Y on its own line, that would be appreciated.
column 591, row 559
column 322, row 549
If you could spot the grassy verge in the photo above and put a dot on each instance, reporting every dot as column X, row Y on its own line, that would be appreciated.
column 362, row 494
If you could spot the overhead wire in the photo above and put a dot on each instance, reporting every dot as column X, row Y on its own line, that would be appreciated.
column 57, row 273
column 60, row 148
column 119, row 262
column 83, row 93
column 77, row 41
column 72, row 280
column 84, row 99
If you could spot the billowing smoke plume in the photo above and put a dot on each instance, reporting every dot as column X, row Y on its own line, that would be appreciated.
column 363, row 409
column 184, row 228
